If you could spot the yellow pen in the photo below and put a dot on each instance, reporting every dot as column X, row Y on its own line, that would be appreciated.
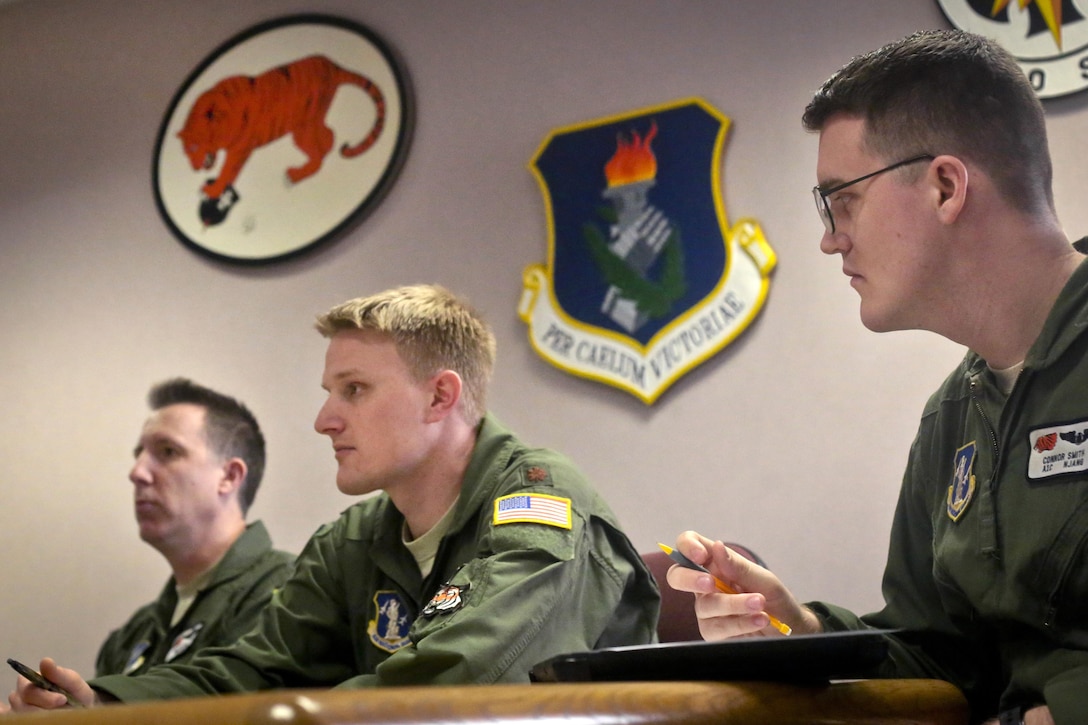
column 722, row 586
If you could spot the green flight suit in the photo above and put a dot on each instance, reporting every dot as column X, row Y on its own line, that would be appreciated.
column 222, row 611
column 987, row 573
column 500, row 598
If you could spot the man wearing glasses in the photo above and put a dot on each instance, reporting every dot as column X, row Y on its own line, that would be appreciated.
column 935, row 190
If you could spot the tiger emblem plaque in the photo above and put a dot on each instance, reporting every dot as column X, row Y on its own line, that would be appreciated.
column 282, row 138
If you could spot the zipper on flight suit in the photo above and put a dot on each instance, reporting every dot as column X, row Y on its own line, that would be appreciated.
column 988, row 520
column 989, row 429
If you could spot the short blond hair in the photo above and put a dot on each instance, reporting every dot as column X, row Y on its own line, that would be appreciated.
column 433, row 331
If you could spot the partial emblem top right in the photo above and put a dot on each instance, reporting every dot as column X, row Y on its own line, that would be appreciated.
column 1048, row 37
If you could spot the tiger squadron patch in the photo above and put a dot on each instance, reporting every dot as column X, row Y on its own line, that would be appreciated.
column 448, row 599
column 280, row 137
column 182, row 643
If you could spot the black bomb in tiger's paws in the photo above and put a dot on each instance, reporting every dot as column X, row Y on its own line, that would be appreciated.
column 214, row 211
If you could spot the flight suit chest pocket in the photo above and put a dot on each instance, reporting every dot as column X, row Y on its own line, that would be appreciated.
column 1061, row 578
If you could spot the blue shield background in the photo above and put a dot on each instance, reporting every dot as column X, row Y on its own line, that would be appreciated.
column 571, row 165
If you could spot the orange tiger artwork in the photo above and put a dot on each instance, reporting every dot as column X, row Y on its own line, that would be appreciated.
column 240, row 114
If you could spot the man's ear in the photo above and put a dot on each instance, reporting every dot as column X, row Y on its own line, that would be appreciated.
column 234, row 475
column 949, row 178
column 445, row 394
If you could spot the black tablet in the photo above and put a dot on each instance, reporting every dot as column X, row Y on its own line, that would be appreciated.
column 798, row 658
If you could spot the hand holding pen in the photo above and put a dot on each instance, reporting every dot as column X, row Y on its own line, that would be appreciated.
column 722, row 586
column 54, row 687
column 724, row 611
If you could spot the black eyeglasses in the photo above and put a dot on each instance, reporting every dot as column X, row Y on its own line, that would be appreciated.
column 820, row 195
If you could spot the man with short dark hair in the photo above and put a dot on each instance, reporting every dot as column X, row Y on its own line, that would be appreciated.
column 935, row 189
column 197, row 467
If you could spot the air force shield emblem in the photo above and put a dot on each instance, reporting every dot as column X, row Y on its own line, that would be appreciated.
column 963, row 483
column 644, row 279
column 388, row 630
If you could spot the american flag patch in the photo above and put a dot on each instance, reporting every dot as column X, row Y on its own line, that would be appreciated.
column 533, row 508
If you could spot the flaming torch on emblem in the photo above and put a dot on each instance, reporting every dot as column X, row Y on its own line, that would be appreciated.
column 639, row 234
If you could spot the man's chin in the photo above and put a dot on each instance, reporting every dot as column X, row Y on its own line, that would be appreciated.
column 148, row 535
column 354, row 486
column 875, row 327
column 876, row 322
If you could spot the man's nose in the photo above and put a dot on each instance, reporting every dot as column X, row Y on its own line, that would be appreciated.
column 326, row 422
column 139, row 473
column 834, row 242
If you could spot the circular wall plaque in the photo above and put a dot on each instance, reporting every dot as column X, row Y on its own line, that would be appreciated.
column 1049, row 38
column 284, row 136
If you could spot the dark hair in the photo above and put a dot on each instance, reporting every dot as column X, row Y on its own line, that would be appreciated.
column 230, row 428
column 947, row 92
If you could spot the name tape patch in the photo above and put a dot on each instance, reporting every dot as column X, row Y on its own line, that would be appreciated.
column 1057, row 450
column 533, row 508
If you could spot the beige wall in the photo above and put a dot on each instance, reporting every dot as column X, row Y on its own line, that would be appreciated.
column 792, row 440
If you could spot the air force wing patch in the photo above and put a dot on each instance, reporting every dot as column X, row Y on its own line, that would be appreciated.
column 136, row 658
column 644, row 279
column 388, row 630
column 962, row 488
